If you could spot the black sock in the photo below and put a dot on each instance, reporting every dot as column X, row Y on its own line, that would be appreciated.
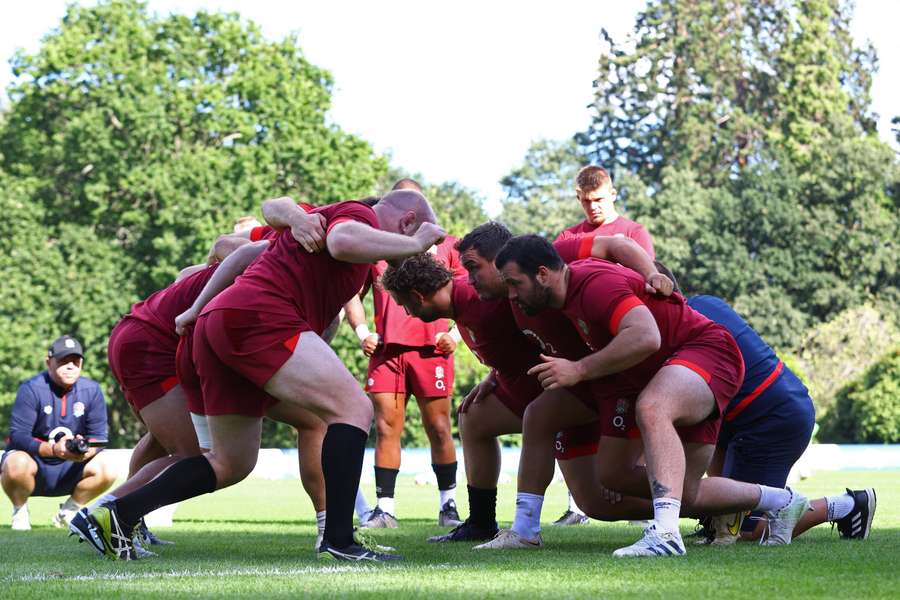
column 342, row 459
column 446, row 475
column 185, row 479
column 483, row 506
column 385, row 482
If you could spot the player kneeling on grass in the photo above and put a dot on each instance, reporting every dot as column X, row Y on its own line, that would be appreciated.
column 766, row 428
column 258, row 343
column 666, row 370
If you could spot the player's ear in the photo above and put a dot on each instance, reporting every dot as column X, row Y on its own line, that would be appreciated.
column 542, row 276
column 408, row 223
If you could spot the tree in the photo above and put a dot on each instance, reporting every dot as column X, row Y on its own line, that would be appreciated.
column 131, row 141
column 540, row 194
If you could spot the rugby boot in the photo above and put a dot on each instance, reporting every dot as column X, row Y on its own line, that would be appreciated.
column 467, row 532
column 781, row 522
column 448, row 515
column 570, row 517
column 655, row 542
column 507, row 539
column 858, row 523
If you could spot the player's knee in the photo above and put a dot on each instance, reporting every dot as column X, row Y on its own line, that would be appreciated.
column 649, row 413
column 535, row 422
column 230, row 470
column 19, row 466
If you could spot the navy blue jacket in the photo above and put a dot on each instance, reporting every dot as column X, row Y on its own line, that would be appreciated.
column 42, row 410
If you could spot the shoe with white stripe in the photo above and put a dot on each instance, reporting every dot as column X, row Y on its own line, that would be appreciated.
column 858, row 523
column 79, row 526
column 363, row 548
column 780, row 528
column 105, row 525
column 655, row 542
column 507, row 539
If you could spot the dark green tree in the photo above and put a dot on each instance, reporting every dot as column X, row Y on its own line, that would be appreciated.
column 131, row 141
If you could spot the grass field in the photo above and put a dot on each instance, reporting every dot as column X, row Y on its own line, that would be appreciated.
column 255, row 540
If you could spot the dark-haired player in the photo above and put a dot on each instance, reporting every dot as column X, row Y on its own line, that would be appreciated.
column 666, row 367
column 408, row 357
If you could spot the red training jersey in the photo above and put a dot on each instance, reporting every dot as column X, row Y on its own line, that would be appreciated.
column 621, row 226
column 490, row 331
column 288, row 280
column 600, row 293
column 391, row 321
column 159, row 310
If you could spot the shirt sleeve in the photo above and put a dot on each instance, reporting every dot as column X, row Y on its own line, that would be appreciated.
column 575, row 248
column 640, row 235
column 607, row 298
column 21, row 424
column 260, row 233
column 351, row 211
column 95, row 422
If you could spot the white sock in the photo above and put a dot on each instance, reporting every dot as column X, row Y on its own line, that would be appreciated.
column 666, row 512
column 446, row 496
column 101, row 500
column 528, row 515
column 361, row 507
column 320, row 521
column 69, row 504
column 387, row 505
column 23, row 508
column 574, row 507
column 772, row 498
column 838, row 507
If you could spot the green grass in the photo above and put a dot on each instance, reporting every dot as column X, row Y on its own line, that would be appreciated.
column 254, row 540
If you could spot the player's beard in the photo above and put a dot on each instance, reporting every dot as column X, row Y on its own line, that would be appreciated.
column 538, row 301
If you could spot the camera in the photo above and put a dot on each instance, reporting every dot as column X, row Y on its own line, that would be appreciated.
column 74, row 445
column 77, row 446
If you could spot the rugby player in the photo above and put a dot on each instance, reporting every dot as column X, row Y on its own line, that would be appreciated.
column 665, row 366
column 257, row 344
column 495, row 406
column 408, row 357
column 594, row 189
column 766, row 428
column 597, row 196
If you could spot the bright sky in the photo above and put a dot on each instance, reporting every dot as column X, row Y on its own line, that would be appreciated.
column 478, row 81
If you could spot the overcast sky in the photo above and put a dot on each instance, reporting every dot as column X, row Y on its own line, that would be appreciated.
column 481, row 80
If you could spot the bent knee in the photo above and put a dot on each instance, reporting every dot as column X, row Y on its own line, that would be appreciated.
column 18, row 465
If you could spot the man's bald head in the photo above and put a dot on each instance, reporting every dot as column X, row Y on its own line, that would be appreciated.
column 407, row 184
column 402, row 211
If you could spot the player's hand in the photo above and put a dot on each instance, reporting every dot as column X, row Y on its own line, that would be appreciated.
column 61, row 452
column 309, row 230
column 659, row 284
column 444, row 343
column 556, row 372
column 429, row 234
column 478, row 393
column 185, row 320
column 370, row 344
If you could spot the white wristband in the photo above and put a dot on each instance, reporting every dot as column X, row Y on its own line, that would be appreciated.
column 454, row 333
column 362, row 331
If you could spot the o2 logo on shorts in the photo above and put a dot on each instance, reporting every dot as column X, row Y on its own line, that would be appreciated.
column 439, row 377
column 619, row 422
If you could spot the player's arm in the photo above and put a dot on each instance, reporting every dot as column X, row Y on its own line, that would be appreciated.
column 629, row 253
column 224, row 276
column 185, row 272
column 356, row 318
column 21, row 425
column 355, row 242
column 226, row 244
column 636, row 339
column 307, row 228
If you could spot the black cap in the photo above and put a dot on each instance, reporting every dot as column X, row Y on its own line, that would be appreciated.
column 65, row 346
